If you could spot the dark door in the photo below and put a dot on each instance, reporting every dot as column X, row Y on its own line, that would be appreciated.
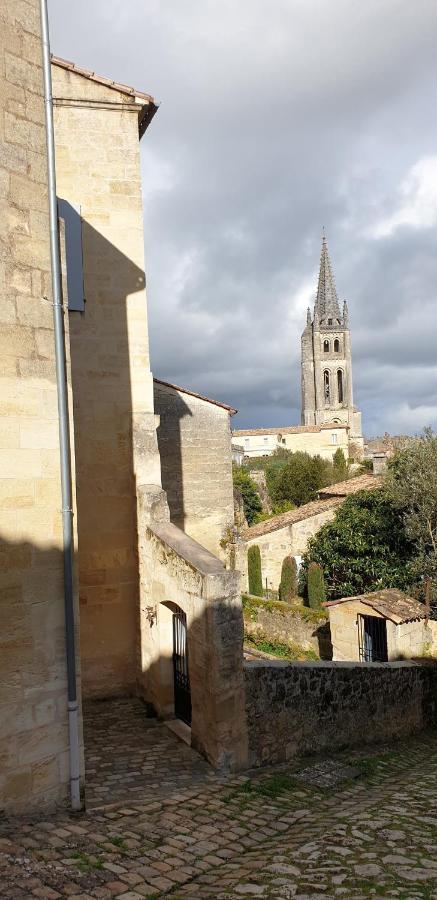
column 182, row 694
column 372, row 637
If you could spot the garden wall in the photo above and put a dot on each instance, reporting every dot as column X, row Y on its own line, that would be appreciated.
column 295, row 709
column 289, row 624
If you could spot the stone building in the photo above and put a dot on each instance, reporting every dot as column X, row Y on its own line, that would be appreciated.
column 317, row 440
column 378, row 627
column 327, row 390
column 138, row 576
column 287, row 534
column 194, row 443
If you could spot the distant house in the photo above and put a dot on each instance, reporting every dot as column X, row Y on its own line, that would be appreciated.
column 317, row 440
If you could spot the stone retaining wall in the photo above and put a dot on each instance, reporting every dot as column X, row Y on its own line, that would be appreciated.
column 285, row 623
column 295, row 709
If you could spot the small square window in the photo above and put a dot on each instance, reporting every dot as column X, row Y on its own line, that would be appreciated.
column 333, row 438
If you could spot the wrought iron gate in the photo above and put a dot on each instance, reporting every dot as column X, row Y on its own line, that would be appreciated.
column 372, row 639
column 182, row 694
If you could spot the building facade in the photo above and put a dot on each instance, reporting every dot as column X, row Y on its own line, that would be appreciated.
column 317, row 440
column 326, row 375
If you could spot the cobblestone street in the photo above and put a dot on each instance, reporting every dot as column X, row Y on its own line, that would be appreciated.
column 355, row 826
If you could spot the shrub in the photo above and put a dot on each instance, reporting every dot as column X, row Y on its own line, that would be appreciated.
column 364, row 549
column 254, row 571
column 340, row 472
column 316, row 586
column 248, row 491
column 288, row 585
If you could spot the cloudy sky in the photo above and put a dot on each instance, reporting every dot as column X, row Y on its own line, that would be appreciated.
column 277, row 118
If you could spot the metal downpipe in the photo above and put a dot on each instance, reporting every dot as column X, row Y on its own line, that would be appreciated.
column 64, row 427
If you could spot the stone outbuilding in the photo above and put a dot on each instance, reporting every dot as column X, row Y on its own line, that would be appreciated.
column 378, row 627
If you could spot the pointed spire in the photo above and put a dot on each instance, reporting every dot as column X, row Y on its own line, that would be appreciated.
column 327, row 300
column 309, row 320
column 345, row 313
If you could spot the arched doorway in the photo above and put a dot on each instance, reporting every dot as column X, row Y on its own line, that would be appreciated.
column 181, row 675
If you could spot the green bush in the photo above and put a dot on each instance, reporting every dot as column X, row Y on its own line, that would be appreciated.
column 254, row 571
column 288, row 584
column 316, row 586
column 248, row 490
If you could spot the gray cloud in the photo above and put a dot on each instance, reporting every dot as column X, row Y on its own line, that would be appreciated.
column 275, row 119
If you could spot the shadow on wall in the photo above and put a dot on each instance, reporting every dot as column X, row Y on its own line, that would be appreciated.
column 115, row 448
column 170, row 450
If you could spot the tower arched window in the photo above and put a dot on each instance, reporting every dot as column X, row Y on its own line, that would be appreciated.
column 336, row 346
column 326, row 346
column 326, row 387
column 340, row 386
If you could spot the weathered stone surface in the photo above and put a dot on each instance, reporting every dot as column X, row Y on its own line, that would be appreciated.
column 298, row 708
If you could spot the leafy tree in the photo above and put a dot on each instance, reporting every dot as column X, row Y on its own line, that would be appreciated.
column 254, row 571
column 300, row 479
column 248, row 491
column 411, row 485
column 364, row 549
column 288, row 583
column 315, row 586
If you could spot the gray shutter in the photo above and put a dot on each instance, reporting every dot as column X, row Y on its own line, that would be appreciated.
column 70, row 213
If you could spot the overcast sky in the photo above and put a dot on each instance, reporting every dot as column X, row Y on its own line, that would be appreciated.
column 278, row 117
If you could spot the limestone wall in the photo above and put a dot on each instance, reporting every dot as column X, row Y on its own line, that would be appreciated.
column 34, row 768
column 407, row 640
column 177, row 573
column 290, row 540
column 196, row 460
column 98, row 169
column 286, row 623
column 302, row 708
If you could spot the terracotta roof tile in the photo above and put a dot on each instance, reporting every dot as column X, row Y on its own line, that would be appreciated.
column 391, row 603
column 352, row 485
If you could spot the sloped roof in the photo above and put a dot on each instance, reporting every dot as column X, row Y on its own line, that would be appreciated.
column 181, row 390
column 291, row 517
column 288, row 429
column 329, row 497
column 390, row 603
column 148, row 106
column 366, row 482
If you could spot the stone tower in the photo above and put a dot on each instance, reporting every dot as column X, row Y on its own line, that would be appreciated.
column 327, row 395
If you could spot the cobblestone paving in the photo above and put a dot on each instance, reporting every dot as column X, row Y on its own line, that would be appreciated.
column 270, row 836
column 131, row 758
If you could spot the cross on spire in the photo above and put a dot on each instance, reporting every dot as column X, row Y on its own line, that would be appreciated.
column 327, row 300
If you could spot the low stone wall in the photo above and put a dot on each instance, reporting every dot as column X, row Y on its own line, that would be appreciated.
column 295, row 709
column 288, row 624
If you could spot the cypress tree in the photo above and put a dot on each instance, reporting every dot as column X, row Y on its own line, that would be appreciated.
column 316, row 586
column 254, row 571
column 288, row 584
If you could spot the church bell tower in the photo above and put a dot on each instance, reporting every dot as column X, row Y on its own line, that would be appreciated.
column 327, row 394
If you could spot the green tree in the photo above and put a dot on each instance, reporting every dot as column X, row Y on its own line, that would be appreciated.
column 411, row 485
column 315, row 586
column 340, row 466
column 248, row 491
column 288, row 583
column 254, row 571
column 300, row 479
column 364, row 549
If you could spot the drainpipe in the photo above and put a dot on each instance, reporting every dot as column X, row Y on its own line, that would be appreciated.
column 64, row 428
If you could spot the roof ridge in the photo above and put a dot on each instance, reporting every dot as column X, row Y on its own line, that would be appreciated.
column 101, row 79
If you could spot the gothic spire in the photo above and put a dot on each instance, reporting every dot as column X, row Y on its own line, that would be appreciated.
column 327, row 301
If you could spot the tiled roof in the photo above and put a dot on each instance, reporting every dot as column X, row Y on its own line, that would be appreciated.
column 391, row 603
column 366, row 482
column 149, row 105
column 181, row 390
column 291, row 517
column 288, row 429
column 330, row 497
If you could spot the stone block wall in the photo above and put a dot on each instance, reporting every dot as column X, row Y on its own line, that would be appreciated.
column 294, row 709
column 196, row 460
column 34, row 766
column 285, row 623
column 98, row 169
